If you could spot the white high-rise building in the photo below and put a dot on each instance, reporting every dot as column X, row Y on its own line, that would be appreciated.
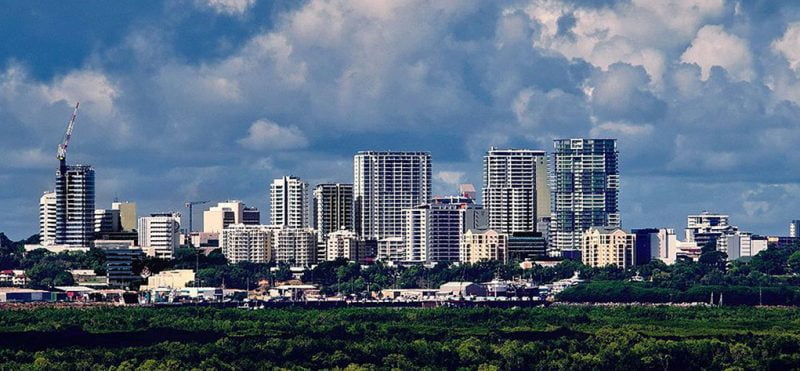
column 342, row 244
column 384, row 185
column 332, row 210
column 515, row 189
column 294, row 246
column 288, row 205
column 794, row 228
column 47, row 219
column 247, row 243
column 227, row 213
column 159, row 234
column 433, row 231
column 585, row 189
column 75, row 206
column 477, row 246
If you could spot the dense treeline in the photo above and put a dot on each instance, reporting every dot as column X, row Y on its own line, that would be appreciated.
column 636, row 338
column 769, row 278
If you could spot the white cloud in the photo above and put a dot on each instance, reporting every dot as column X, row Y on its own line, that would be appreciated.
column 614, row 129
column 93, row 89
column 789, row 45
column 267, row 135
column 715, row 47
column 450, row 177
column 29, row 158
column 229, row 7
column 630, row 32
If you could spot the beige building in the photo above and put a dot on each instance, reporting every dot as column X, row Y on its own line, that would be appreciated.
column 295, row 246
column 174, row 279
column 608, row 246
column 479, row 246
column 127, row 215
column 219, row 217
column 249, row 243
column 342, row 244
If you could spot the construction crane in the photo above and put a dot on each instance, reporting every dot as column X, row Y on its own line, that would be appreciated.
column 62, row 147
column 190, row 205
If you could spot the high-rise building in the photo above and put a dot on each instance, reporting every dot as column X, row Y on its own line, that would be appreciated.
column 608, row 246
column 294, row 246
column 75, row 205
column 477, row 246
column 332, row 210
column 433, row 231
column 219, row 217
column 127, row 215
column 384, row 185
column 515, row 189
column 106, row 221
column 794, row 228
column 247, row 243
column 159, row 234
column 586, row 189
column 342, row 244
column 288, row 205
column 47, row 219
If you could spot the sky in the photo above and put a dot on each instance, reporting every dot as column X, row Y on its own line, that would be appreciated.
column 211, row 99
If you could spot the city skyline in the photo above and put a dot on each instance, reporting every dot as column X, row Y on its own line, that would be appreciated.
column 167, row 115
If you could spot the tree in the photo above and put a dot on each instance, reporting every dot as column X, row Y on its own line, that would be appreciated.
column 794, row 262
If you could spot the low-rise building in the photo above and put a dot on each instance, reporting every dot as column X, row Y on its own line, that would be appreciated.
column 342, row 244
column 119, row 266
column 608, row 246
column 477, row 246
column 247, row 243
column 18, row 295
column 13, row 277
column 458, row 289
column 175, row 279
column 295, row 246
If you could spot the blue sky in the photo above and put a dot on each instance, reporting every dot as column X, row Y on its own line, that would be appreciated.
column 210, row 99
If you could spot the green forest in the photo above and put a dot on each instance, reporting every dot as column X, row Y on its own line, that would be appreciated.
column 558, row 337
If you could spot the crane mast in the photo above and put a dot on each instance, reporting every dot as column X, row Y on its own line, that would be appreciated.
column 62, row 147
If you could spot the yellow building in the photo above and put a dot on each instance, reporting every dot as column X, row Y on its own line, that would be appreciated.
column 479, row 246
column 174, row 279
column 608, row 246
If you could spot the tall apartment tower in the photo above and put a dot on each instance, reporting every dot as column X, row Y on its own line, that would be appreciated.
column 433, row 231
column 47, row 218
column 159, row 234
column 332, row 209
column 586, row 189
column 288, row 202
column 75, row 205
column 384, row 185
column 794, row 228
column 515, row 189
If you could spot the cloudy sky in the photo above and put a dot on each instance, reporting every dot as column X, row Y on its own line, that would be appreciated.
column 210, row 99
